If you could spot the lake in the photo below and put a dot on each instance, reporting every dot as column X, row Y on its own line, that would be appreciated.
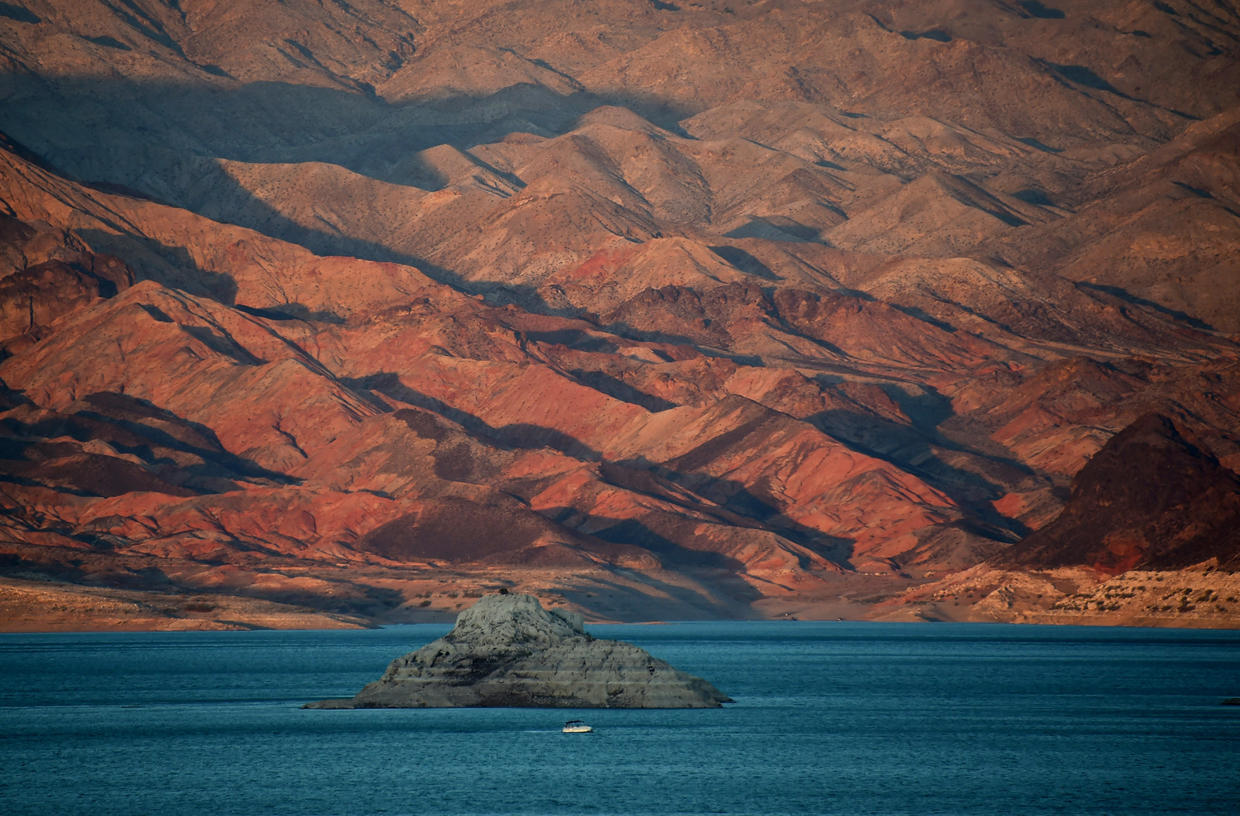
column 829, row 718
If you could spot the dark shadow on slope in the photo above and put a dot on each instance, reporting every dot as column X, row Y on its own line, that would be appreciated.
column 1037, row 145
column 672, row 554
column 223, row 345
column 18, row 14
column 45, row 563
column 745, row 262
column 712, row 314
column 169, row 266
column 914, row 452
column 778, row 228
column 606, row 384
column 267, row 122
column 498, row 293
column 970, row 194
column 936, row 34
column 68, row 468
column 575, row 339
column 173, row 266
column 1036, row 9
column 459, row 530
column 1034, row 196
column 927, row 411
column 156, row 313
column 515, row 436
column 622, row 329
column 77, row 567
column 292, row 311
column 9, row 475
column 1135, row 300
column 389, row 385
column 136, row 426
column 924, row 316
column 528, row 436
column 1197, row 191
column 732, row 502
column 109, row 42
column 1085, row 76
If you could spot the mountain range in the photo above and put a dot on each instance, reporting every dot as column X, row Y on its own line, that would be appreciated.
column 331, row 314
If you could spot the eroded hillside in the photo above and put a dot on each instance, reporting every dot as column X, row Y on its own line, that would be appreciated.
column 319, row 314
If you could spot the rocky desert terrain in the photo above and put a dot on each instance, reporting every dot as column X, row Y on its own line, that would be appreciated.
column 331, row 314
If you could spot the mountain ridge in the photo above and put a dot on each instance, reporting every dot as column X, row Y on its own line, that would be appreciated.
column 355, row 312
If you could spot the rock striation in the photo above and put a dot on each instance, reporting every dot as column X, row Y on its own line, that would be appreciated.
column 506, row 650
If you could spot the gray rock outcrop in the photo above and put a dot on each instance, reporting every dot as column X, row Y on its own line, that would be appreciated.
column 506, row 650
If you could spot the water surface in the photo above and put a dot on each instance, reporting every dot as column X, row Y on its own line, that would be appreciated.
column 830, row 718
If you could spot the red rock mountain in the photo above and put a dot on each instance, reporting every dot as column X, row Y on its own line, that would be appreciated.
column 319, row 314
column 1150, row 499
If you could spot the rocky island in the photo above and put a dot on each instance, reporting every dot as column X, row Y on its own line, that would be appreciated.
column 506, row 650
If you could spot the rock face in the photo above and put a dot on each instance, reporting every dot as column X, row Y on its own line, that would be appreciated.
column 506, row 650
column 370, row 307
column 1149, row 499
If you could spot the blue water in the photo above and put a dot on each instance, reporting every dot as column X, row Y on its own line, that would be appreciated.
column 829, row 718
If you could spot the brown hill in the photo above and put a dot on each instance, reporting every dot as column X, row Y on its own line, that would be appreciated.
column 1149, row 499
column 668, row 309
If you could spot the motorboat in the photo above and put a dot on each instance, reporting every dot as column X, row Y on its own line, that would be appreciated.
column 576, row 727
